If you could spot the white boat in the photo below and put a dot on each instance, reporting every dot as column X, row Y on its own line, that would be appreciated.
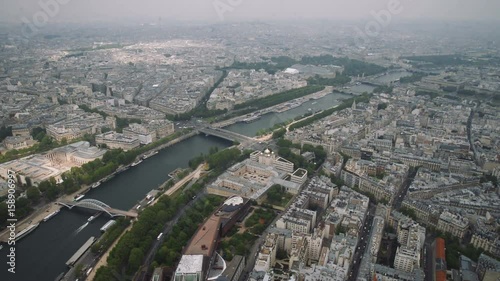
column 78, row 197
column 96, row 184
column 146, row 156
column 136, row 163
column 49, row 216
column 26, row 231
column 95, row 216
column 251, row 119
column 108, row 225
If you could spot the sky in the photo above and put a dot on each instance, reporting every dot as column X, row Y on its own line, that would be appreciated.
column 243, row 10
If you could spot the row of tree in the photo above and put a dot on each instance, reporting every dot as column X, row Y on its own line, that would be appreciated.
column 128, row 254
column 272, row 100
column 439, row 60
column 171, row 249
column 432, row 95
column 23, row 209
column 383, row 89
column 338, row 80
column 415, row 77
column 110, row 236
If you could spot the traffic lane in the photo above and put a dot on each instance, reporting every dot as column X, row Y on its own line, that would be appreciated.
column 361, row 247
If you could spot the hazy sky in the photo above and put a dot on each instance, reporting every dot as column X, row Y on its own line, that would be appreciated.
column 233, row 10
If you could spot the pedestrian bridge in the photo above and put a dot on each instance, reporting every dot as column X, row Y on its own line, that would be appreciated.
column 97, row 205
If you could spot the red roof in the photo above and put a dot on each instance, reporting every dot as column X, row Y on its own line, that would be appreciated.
column 441, row 275
column 440, row 251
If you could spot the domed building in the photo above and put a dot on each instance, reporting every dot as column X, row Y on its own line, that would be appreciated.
column 235, row 208
column 232, row 204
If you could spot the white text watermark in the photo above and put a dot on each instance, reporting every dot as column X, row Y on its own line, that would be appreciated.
column 11, row 209
column 49, row 9
column 223, row 6
column 381, row 19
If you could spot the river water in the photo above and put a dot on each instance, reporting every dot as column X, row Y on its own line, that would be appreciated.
column 271, row 119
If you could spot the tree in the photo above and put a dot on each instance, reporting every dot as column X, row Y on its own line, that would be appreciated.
column 279, row 133
column 408, row 212
column 383, row 89
column 274, row 194
column 135, row 258
column 33, row 194
column 52, row 192
column 5, row 132
column 4, row 213
column 281, row 254
column 79, row 270
column 104, row 273
column 382, row 106
column 340, row 229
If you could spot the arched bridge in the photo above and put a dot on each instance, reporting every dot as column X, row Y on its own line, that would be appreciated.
column 97, row 205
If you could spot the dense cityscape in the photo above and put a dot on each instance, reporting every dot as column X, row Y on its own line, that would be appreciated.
column 250, row 151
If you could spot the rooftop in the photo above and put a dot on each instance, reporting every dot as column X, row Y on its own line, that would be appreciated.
column 190, row 264
column 205, row 239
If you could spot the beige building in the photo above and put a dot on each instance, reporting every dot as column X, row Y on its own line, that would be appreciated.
column 253, row 177
column 268, row 157
column 21, row 131
column 60, row 132
column 315, row 244
column 411, row 236
column 453, row 223
column 18, row 142
column 406, row 259
column 115, row 140
column 140, row 132
column 266, row 258
column 162, row 128
column 487, row 243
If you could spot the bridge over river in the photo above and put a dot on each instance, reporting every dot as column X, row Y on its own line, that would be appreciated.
column 97, row 205
column 225, row 134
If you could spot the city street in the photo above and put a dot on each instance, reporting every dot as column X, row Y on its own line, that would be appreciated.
column 362, row 243
column 401, row 193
